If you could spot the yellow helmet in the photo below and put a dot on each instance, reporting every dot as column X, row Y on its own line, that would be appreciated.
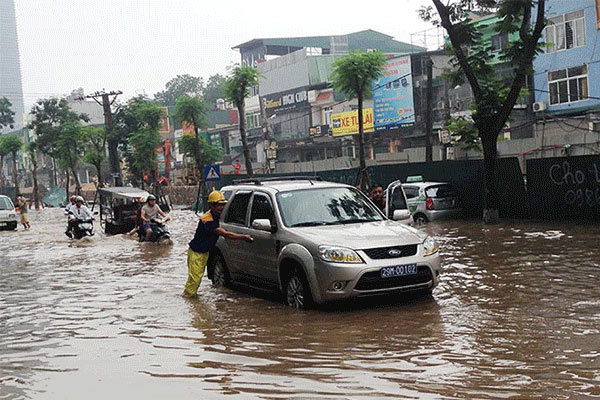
column 216, row 197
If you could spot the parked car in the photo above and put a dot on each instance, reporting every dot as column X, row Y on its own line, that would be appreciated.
column 8, row 214
column 430, row 201
column 317, row 242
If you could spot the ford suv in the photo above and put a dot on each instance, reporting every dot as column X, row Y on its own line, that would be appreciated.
column 318, row 242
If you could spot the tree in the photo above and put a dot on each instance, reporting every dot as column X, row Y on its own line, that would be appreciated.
column 463, row 134
column 353, row 75
column 214, row 89
column 189, row 146
column 12, row 144
column 237, row 88
column 193, row 111
column 95, row 149
column 494, row 100
column 137, row 124
column 69, row 147
column 181, row 85
column 48, row 115
column 3, row 153
column 32, row 150
column 6, row 113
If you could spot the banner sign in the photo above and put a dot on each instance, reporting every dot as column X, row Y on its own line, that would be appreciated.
column 284, row 102
column 188, row 129
column 164, row 121
column 346, row 123
column 393, row 95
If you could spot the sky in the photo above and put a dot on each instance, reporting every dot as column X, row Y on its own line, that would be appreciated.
column 136, row 46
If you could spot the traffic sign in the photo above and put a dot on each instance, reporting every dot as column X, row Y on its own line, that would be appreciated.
column 212, row 173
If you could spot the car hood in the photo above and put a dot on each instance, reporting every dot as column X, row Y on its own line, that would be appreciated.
column 364, row 235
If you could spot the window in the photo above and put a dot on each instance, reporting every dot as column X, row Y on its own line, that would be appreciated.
column 327, row 113
column 237, row 209
column 440, row 191
column 5, row 203
column 499, row 42
column 398, row 202
column 253, row 121
column 568, row 85
column 262, row 209
column 411, row 192
column 566, row 32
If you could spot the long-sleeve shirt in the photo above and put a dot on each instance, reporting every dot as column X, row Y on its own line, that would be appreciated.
column 82, row 212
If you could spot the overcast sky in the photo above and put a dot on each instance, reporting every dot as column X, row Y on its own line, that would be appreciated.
column 138, row 45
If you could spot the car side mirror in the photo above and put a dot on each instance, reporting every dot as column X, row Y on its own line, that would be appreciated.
column 401, row 215
column 263, row 225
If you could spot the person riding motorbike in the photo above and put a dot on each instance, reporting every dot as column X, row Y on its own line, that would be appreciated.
column 77, row 212
column 150, row 211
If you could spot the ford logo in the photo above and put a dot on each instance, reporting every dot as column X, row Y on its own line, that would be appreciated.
column 395, row 252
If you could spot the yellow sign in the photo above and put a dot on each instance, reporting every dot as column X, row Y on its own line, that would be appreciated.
column 346, row 123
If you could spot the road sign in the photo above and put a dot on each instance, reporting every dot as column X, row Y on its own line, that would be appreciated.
column 212, row 173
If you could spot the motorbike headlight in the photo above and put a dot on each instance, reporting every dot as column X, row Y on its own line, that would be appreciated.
column 430, row 246
column 339, row 255
column 12, row 215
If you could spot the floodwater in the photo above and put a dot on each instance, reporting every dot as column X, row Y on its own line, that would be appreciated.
column 517, row 315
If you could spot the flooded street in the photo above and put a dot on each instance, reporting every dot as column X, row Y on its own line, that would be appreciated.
column 517, row 315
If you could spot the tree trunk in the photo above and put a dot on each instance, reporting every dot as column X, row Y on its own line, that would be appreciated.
column 54, row 176
column 363, row 176
column 491, row 201
column 67, row 185
column 77, row 183
column 15, row 173
column 99, row 174
column 1, row 174
column 36, row 196
column 241, row 110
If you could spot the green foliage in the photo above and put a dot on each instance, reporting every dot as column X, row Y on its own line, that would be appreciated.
column 48, row 117
column 69, row 144
column 10, row 144
column 238, row 84
column 181, row 85
column 214, row 89
column 6, row 113
column 94, row 138
column 32, row 149
column 142, row 156
column 191, row 110
column 353, row 74
column 189, row 146
column 464, row 134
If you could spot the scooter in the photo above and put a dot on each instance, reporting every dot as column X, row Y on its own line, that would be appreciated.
column 159, row 235
column 82, row 228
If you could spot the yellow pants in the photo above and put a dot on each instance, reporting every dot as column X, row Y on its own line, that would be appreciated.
column 196, row 266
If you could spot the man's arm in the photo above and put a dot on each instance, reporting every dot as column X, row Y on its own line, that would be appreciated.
column 233, row 236
column 143, row 216
column 162, row 213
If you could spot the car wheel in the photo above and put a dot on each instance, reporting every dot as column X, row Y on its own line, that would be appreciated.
column 420, row 219
column 220, row 275
column 297, row 290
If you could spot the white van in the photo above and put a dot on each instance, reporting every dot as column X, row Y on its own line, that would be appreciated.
column 8, row 215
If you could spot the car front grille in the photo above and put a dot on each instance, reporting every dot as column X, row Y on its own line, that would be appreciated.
column 383, row 253
column 373, row 280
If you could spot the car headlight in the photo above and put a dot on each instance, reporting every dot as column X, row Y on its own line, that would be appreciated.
column 339, row 255
column 430, row 246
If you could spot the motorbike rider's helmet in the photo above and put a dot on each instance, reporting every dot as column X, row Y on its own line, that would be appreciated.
column 78, row 199
column 151, row 197
column 72, row 198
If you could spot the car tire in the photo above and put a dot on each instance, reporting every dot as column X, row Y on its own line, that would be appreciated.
column 297, row 290
column 220, row 274
column 420, row 218
column 12, row 226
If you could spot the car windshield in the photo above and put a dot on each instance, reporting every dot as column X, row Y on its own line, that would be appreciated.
column 327, row 206
column 440, row 191
column 5, row 203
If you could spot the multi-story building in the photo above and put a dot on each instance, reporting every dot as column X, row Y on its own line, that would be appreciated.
column 567, row 72
column 10, row 65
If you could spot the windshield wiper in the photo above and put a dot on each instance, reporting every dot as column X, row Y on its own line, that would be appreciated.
column 355, row 221
column 311, row 223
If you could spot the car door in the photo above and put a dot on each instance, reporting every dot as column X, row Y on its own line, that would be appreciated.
column 236, row 220
column 412, row 197
column 396, row 200
column 266, row 244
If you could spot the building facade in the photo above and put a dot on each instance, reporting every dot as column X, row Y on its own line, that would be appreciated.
column 10, row 64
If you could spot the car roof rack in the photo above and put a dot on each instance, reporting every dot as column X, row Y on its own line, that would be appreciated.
column 259, row 181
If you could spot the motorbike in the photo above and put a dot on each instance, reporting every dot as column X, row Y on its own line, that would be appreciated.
column 159, row 235
column 82, row 228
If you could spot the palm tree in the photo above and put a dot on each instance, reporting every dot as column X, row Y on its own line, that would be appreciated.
column 237, row 88
column 192, row 110
column 353, row 75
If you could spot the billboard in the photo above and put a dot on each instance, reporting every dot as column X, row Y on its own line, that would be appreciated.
column 288, row 101
column 164, row 121
column 346, row 123
column 393, row 95
column 188, row 129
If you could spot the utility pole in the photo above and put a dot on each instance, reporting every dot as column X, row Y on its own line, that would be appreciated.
column 113, row 142
column 266, row 135
column 428, row 112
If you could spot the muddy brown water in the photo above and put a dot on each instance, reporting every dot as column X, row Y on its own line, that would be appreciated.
column 517, row 315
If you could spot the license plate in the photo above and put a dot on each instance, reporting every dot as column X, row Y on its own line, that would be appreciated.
column 399, row 270
column 3, row 224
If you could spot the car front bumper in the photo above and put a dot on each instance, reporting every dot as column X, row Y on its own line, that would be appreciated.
column 365, row 280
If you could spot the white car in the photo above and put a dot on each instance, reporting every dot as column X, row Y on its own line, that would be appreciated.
column 8, row 215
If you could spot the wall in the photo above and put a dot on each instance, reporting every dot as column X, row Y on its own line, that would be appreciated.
column 283, row 73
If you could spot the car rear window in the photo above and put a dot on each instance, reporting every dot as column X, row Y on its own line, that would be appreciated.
column 440, row 191
column 5, row 203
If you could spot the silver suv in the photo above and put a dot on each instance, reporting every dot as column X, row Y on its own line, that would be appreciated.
column 317, row 242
